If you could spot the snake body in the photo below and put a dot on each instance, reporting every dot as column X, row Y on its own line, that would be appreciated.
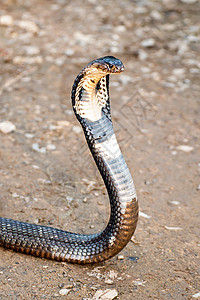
column 90, row 101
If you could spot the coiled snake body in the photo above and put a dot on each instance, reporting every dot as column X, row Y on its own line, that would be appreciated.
column 90, row 100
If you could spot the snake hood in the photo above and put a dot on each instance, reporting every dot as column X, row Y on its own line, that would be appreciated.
column 90, row 92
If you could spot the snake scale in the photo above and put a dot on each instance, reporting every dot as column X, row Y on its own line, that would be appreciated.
column 91, row 105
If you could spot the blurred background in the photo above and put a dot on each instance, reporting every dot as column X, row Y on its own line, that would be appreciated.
column 47, row 175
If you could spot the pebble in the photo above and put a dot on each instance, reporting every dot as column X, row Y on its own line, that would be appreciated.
column 145, row 69
column 175, row 202
column 120, row 257
column 140, row 10
column 29, row 135
column 69, row 52
column 64, row 292
column 197, row 295
column 60, row 61
column 139, row 282
column 168, row 27
column 142, row 55
column 28, row 26
column 188, row 1
column 51, row 147
column 35, row 147
column 185, row 148
column 7, row 127
column 108, row 281
column 192, row 62
column 141, row 214
column 173, row 228
column 148, row 43
column 27, row 60
column 110, row 276
column 178, row 72
column 76, row 129
column 173, row 152
column 156, row 15
column 32, row 50
column 194, row 71
column 15, row 195
column 6, row 20
column 107, row 294
column 120, row 28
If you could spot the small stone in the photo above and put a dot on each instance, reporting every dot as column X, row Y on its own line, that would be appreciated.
column 193, row 39
column 69, row 52
column 156, row 15
column 140, row 10
column 139, row 282
column 36, row 148
column 64, row 292
column 6, row 20
column 51, row 147
column 133, row 240
column 145, row 69
column 194, row 71
column 148, row 43
column 60, row 61
column 168, row 27
column 76, row 129
column 107, row 294
column 69, row 199
column 108, row 281
column 173, row 228
column 15, row 195
column 188, row 1
column 173, row 152
column 142, row 55
column 120, row 28
column 175, row 202
column 120, row 257
column 178, row 72
column 141, row 214
column 49, row 58
column 68, row 112
column 28, row 26
column 7, row 127
column 29, row 135
column 112, row 274
column 197, row 295
column 32, row 50
column 185, row 148
column 27, row 60
column 147, row 182
column 169, row 84
column 198, row 188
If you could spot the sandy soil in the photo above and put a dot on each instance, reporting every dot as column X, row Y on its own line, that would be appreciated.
column 47, row 175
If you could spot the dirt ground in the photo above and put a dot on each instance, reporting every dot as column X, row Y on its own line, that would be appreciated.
column 47, row 174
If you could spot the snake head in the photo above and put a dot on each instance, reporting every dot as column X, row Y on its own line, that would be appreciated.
column 105, row 65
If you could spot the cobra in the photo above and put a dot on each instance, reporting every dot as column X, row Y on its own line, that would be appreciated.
column 91, row 105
